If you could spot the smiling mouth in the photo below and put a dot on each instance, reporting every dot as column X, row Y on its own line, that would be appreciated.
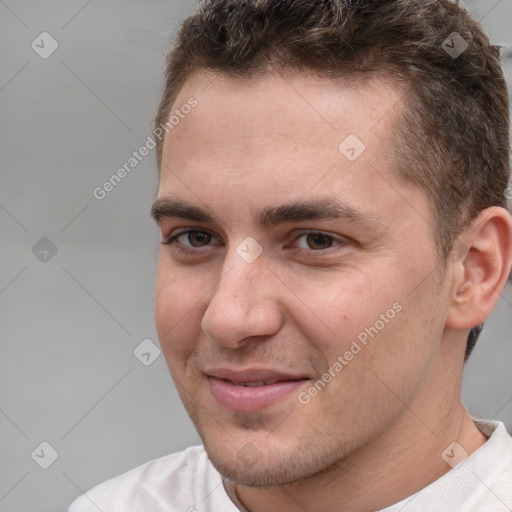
column 252, row 395
column 257, row 383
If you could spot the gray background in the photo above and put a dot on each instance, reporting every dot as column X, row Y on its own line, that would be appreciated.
column 69, row 325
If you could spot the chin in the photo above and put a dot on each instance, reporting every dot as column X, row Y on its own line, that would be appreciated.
column 273, row 465
column 262, row 473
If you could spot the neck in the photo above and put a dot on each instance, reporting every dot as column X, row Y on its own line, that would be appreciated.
column 400, row 462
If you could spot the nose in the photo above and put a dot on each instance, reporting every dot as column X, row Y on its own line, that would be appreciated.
column 244, row 304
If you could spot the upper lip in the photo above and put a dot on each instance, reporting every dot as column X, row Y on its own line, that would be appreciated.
column 243, row 375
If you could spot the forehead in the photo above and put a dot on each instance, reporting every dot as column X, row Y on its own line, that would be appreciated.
column 249, row 142
column 307, row 109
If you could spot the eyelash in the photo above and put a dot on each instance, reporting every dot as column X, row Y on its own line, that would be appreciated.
column 185, row 249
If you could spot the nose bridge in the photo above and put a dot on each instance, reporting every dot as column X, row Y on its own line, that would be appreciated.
column 244, row 271
column 244, row 301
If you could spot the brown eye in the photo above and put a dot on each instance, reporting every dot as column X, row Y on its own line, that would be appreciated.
column 197, row 238
column 190, row 239
column 319, row 241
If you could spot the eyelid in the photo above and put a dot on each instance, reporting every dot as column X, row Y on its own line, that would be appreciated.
column 168, row 240
column 171, row 240
column 337, row 238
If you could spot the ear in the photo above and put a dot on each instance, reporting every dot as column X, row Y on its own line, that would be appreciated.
column 481, row 269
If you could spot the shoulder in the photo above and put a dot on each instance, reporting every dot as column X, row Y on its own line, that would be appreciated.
column 493, row 462
column 174, row 482
column 480, row 483
column 483, row 481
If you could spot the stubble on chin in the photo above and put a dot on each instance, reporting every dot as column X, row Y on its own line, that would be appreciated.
column 272, row 464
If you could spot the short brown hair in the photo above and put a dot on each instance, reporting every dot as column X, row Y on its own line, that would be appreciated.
column 453, row 139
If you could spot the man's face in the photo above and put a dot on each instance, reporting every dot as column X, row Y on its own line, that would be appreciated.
column 334, row 320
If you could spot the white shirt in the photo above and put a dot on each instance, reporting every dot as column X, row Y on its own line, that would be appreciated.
column 188, row 482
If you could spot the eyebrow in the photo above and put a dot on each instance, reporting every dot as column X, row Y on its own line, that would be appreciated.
column 318, row 209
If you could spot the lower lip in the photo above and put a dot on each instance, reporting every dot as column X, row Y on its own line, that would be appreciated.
column 244, row 398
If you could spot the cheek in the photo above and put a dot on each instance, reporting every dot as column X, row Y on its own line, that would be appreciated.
column 177, row 310
column 343, row 309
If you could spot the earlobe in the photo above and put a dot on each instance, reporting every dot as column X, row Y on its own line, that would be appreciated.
column 482, row 270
